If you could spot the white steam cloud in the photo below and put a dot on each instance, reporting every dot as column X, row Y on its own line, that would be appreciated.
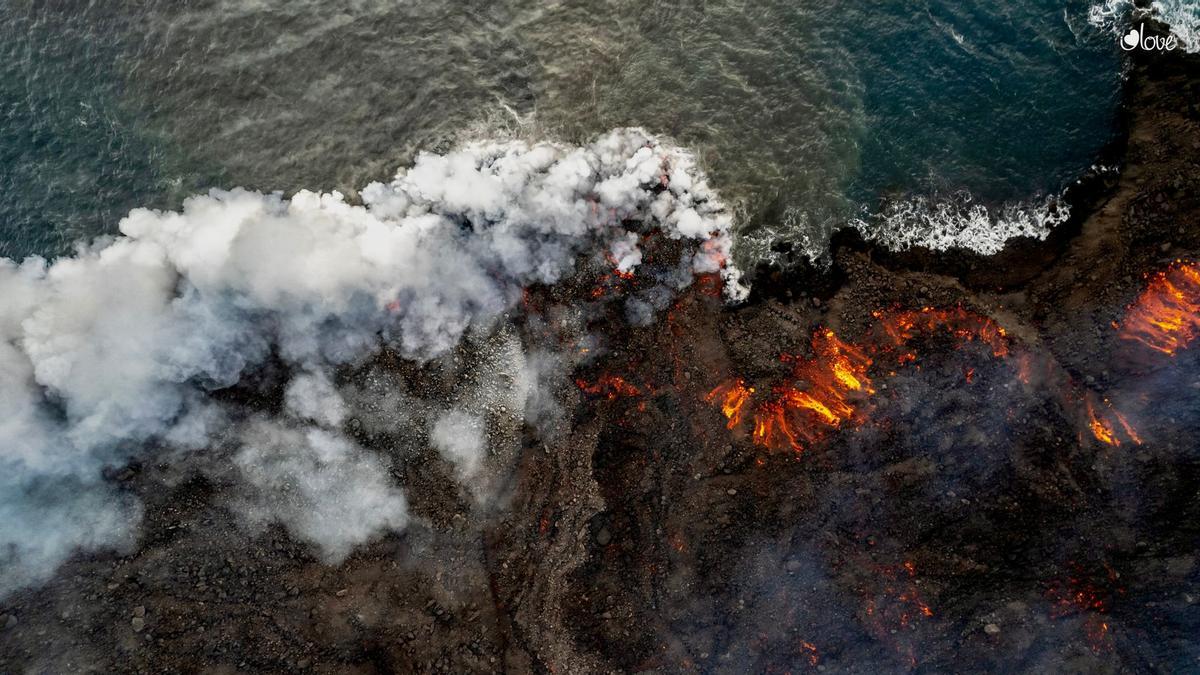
column 119, row 348
column 325, row 489
column 311, row 396
column 459, row 437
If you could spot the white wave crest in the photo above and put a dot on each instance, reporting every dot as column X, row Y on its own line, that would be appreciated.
column 1182, row 17
column 942, row 224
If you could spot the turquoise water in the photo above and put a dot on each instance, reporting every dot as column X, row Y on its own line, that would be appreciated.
column 804, row 113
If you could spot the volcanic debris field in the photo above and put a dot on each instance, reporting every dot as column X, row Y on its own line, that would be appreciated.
column 904, row 462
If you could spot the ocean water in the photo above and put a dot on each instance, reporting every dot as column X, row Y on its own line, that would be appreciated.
column 807, row 115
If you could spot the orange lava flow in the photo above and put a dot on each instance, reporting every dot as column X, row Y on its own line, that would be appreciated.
column 827, row 391
column 733, row 396
column 901, row 326
column 819, row 397
column 809, row 650
column 1101, row 429
column 1109, row 424
column 1166, row 316
column 824, row 391
column 816, row 399
column 610, row 387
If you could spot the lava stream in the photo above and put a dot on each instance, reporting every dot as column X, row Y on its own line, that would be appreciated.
column 815, row 399
column 1166, row 316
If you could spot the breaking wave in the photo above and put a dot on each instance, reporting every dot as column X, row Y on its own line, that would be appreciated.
column 941, row 224
column 1182, row 17
column 119, row 353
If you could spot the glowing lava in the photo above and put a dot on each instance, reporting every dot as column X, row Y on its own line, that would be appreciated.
column 809, row 650
column 1091, row 595
column 903, row 325
column 610, row 387
column 893, row 605
column 733, row 397
column 824, row 392
column 1166, row 316
column 1109, row 425
column 815, row 399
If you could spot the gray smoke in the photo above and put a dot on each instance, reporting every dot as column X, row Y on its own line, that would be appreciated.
column 325, row 489
column 459, row 436
column 120, row 347
column 311, row 396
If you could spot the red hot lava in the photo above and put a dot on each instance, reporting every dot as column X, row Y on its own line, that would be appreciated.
column 894, row 605
column 809, row 650
column 1091, row 594
column 825, row 392
column 1166, row 316
column 815, row 399
column 899, row 600
column 1108, row 425
column 902, row 326
column 610, row 387
column 733, row 397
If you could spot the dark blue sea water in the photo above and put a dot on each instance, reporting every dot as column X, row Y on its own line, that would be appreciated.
column 805, row 113
column 1003, row 99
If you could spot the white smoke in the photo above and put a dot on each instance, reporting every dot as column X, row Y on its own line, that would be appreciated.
column 499, row 391
column 119, row 347
column 1182, row 17
column 459, row 437
column 324, row 489
column 311, row 396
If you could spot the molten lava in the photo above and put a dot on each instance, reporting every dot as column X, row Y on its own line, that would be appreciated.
column 610, row 387
column 824, row 391
column 733, row 397
column 1091, row 594
column 1166, row 316
column 893, row 605
column 1109, row 425
column 847, row 364
column 903, row 325
column 815, row 399
column 809, row 650
column 624, row 275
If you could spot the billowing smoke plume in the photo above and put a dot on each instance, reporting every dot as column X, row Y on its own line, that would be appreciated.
column 121, row 347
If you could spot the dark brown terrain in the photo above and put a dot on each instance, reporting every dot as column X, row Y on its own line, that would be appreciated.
column 965, row 517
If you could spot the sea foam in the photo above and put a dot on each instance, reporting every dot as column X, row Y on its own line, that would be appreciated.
column 957, row 221
column 1182, row 17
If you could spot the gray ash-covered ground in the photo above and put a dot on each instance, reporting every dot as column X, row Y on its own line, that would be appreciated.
column 968, row 522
